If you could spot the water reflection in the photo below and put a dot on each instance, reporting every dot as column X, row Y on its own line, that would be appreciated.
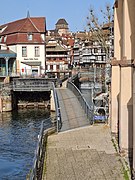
column 18, row 138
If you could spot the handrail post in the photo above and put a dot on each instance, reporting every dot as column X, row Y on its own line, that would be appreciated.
column 58, row 114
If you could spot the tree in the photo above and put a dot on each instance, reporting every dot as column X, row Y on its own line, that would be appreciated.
column 101, row 29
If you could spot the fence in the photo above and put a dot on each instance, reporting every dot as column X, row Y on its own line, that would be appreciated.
column 87, row 108
column 36, row 171
column 57, row 107
column 37, row 168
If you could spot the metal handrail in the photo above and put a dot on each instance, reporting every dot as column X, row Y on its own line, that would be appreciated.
column 86, row 107
column 40, row 151
column 57, row 108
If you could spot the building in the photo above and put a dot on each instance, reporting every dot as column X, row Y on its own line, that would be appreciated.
column 88, row 51
column 7, row 62
column 122, row 82
column 62, row 26
column 59, row 49
column 26, row 37
column 56, row 57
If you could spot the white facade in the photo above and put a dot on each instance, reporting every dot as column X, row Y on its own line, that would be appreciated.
column 30, row 63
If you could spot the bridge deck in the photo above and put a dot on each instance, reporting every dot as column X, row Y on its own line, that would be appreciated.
column 72, row 114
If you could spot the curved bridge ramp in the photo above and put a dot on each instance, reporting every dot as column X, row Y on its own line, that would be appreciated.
column 73, row 115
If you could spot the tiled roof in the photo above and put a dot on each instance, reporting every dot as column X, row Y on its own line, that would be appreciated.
column 61, row 21
column 31, row 24
column 22, row 38
column 17, row 31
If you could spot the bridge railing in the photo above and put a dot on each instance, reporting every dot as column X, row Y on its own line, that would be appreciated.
column 57, row 107
column 86, row 107
column 40, row 152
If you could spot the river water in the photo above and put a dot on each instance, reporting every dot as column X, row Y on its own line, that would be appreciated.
column 18, row 139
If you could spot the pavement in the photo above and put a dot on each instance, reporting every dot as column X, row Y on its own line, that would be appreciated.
column 85, row 153
column 80, row 151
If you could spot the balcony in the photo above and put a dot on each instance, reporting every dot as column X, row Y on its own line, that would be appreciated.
column 56, row 55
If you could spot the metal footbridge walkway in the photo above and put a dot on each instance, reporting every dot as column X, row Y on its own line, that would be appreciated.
column 73, row 116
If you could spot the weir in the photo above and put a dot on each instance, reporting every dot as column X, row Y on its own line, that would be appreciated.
column 27, row 92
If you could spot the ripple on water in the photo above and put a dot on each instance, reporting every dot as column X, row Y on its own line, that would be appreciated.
column 18, row 132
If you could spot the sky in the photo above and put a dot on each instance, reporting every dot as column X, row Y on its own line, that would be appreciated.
column 73, row 11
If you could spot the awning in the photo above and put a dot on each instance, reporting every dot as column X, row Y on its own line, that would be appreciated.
column 32, row 63
column 7, row 53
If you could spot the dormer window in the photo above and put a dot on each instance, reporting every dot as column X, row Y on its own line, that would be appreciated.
column 5, row 38
column 30, row 36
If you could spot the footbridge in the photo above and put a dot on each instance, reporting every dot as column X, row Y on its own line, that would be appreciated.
column 75, row 111
column 81, row 150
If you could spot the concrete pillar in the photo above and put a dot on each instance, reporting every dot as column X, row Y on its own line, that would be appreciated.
column 126, row 84
column 52, row 101
column 118, row 28
column 126, row 111
column 115, row 90
column 6, row 100
column 115, row 80
column 6, row 58
column 127, row 30
column 134, row 123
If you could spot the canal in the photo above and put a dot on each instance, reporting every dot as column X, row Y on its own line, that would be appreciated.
column 18, row 137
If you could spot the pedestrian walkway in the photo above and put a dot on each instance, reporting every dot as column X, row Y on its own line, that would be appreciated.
column 83, row 154
column 72, row 113
column 80, row 151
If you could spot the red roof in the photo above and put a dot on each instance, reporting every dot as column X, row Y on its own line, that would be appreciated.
column 17, row 31
column 22, row 38
column 31, row 24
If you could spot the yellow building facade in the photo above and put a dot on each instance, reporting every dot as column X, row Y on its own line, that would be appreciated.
column 122, row 122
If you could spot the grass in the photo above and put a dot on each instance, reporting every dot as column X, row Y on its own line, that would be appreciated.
column 125, row 168
column 126, row 177
column 115, row 146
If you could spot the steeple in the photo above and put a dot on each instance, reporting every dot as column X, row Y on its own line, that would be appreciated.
column 28, row 14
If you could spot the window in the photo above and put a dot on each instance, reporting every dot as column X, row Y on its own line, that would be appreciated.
column 51, row 67
column 103, row 58
column 57, row 67
column 24, row 51
column 99, row 58
column 37, row 51
column 5, row 38
column 30, row 36
column 95, row 50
